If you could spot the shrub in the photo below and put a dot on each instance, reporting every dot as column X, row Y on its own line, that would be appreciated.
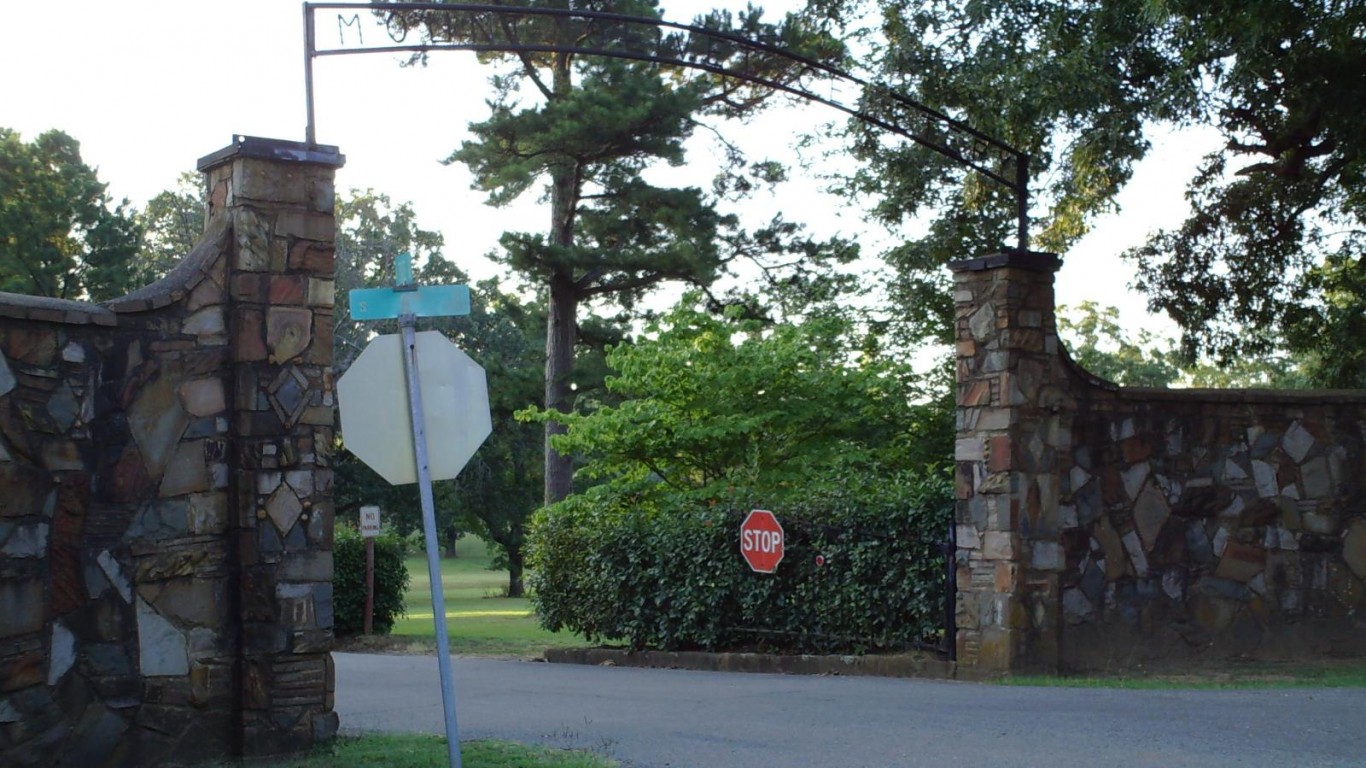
column 391, row 581
column 673, row 578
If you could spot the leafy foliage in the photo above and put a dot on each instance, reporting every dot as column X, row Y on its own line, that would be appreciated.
column 171, row 223
column 59, row 235
column 348, row 581
column 721, row 414
column 497, row 492
column 1098, row 343
column 1079, row 84
column 714, row 402
column 589, row 128
column 670, row 576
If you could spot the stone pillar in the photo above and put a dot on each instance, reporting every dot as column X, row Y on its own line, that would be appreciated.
column 1013, row 433
column 279, row 198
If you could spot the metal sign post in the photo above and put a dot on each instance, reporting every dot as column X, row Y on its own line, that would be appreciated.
column 406, row 302
column 424, row 487
column 369, row 529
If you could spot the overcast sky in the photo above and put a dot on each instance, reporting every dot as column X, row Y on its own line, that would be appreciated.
column 150, row 86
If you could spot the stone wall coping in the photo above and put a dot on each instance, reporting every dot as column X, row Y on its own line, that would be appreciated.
column 46, row 309
column 1252, row 396
column 277, row 150
column 172, row 288
column 1035, row 261
column 1298, row 397
column 186, row 275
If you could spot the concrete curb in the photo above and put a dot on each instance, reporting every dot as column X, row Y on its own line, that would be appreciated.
column 919, row 665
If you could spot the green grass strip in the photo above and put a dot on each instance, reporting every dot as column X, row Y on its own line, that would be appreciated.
column 414, row 750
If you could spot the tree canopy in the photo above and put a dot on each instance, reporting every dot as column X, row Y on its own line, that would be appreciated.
column 1272, row 250
column 171, row 222
column 60, row 233
column 709, row 405
column 585, row 130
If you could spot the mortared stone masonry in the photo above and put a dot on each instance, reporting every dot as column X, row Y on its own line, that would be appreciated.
column 165, row 491
column 1111, row 528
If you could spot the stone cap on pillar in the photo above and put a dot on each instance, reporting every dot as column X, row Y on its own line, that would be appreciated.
column 1035, row 261
column 274, row 149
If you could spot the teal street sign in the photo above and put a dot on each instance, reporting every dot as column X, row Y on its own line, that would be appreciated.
column 408, row 298
column 424, row 301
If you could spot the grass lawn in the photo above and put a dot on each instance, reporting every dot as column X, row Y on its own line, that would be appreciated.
column 479, row 620
column 393, row 750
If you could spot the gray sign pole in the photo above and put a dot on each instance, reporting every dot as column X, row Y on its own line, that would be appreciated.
column 407, row 322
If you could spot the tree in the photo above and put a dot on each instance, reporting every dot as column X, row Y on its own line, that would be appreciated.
column 711, row 405
column 171, row 224
column 501, row 486
column 1079, row 84
column 1098, row 343
column 589, row 128
column 498, row 490
column 59, row 236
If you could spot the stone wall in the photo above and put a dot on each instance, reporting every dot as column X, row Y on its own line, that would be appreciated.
column 1111, row 528
column 165, row 491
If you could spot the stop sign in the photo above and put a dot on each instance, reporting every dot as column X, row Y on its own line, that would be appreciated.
column 375, row 420
column 761, row 541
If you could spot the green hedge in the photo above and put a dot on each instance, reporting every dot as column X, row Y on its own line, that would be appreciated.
column 391, row 581
column 674, row 579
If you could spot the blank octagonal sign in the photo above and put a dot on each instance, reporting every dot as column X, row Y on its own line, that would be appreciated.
column 375, row 420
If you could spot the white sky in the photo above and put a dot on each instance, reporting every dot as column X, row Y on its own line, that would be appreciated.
column 149, row 86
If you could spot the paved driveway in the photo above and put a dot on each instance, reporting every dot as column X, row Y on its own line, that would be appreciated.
column 652, row 718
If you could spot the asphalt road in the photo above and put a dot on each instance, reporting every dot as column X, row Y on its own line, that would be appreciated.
column 653, row 718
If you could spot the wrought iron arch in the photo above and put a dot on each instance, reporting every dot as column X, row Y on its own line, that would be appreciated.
column 906, row 117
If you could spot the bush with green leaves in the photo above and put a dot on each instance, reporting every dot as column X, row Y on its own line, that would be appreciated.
column 862, row 570
column 348, row 581
column 719, row 415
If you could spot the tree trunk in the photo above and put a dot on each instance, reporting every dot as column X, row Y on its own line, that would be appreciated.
column 561, row 317
column 559, row 367
column 515, row 586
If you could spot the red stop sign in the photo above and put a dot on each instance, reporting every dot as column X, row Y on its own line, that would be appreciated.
column 761, row 541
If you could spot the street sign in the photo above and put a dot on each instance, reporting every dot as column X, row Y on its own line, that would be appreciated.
column 388, row 390
column 375, row 418
column 369, row 522
column 423, row 301
column 761, row 541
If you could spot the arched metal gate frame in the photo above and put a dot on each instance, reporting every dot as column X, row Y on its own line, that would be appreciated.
column 992, row 158
column 905, row 117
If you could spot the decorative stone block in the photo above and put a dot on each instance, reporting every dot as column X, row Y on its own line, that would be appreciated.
column 283, row 508
column 288, row 332
column 62, row 653
column 1241, row 562
column 205, row 322
column 161, row 647
column 308, row 226
column 252, row 232
column 250, row 340
column 22, row 607
column 1354, row 547
column 288, row 290
column 321, row 293
column 1150, row 514
column 7, row 380
column 1047, row 556
column 1297, row 442
column 24, row 541
column 187, row 471
column 999, row 545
